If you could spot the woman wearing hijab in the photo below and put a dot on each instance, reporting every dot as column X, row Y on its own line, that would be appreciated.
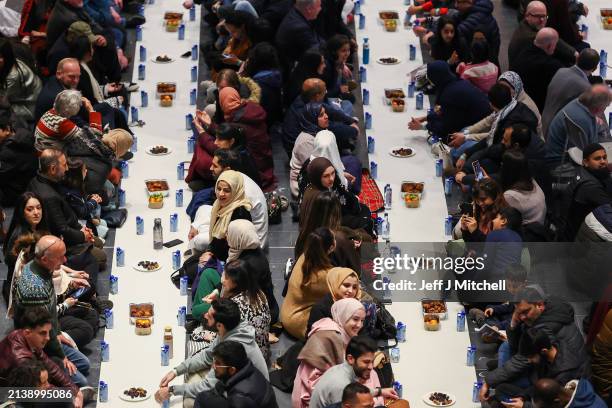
column 252, row 117
column 326, row 347
column 343, row 283
column 244, row 244
column 322, row 176
column 231, row 204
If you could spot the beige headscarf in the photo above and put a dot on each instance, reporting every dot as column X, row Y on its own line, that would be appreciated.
column 241, row 235
column 220, row 217
column 336, row 276
column 119, row 141
column 342, row 310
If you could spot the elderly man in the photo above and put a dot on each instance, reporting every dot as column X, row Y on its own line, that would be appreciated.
column 67, row 76
column 535, row 19
column 34, row 288
column 536, row 65
column 344, row 127
column 110, row 59
column 568, row 84
column 297, row 32
column 576, row 124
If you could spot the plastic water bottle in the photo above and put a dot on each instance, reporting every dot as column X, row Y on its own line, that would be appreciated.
column 395, row 355
column 386, row 227
column 158, row 234
column 191, row 145
column 192, row 13
column 143, row 53
column 125, row 169
column 399, row 389
column 182, row 315
column 448, row 186
column 419, row 101
column 192, row 97
column 439, row 168
column 114, row 285
column 363, row 74
column 180, row 171
column 194, row 52
column 141, row 72
column 368, row 120
column 103, row 392
column 366, row 97
column 165, row 355
column 176, row 260
column 366, row 51
column 362, row 19
column 179, row 197
column 401, row 332
column 183, row 285
column 188, row 121
column 448, row 225
column 386, row 290
column 603, row 70
column 139, row 226
column 411, row 88
column 181, row 32
column 194, row 74
column 476, row 392
column 461, row 321
column 139, row 33
column 471, row 356
column 373, row 170
column 104, row 351
column 371, row 144
column 357, row 8
column 144, row 99
column 120, row 257
column 121, row 197
column 407, row 20
column 110, row 319
column 412, row 49
column 388, row 196
column 134, row 147
column 173, row 222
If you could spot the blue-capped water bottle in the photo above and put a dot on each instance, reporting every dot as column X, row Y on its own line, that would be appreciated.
column 439, row 168
column 183, row 285
column 121, row 197
column 188, row 121
column 363, row 74
column 180, row 171
column 114, row 285
column 173, row 222
column 388, row 196
column 448, row 185
column 362, row 19
column 194, row 52
column 192, row 96
column 395, row 355
column 411, row 88
column 110, row 319
column 176, row 260
column 471, row 356
column 134, row 147
column 368, row 120
column 141, row 10
column 191, row 144
column 371, row 144
column 120, row 257
column 400, row 332
column 139, row 33
column 461, row 321
column 603, row 70
column 181, row 31
column 165, row 355
column 603, row 56
column 476, row 392
column 399, row 389
column 419, row 101
column 178, row 196
column 144, row 99
column 125, row 169
column 141, row 72
column 139, row 226
column 134, row 113
column 373, row 170
column 365, row 59
column 103, row 392
column 366, row 97
column 194, row 74
column 448, row 225
column 104, row 351
column 379, row 221
column 182, row 315
column 386, row 227
column 142, row 53
column 192, row 13
column 357, row 8
column 412, row 49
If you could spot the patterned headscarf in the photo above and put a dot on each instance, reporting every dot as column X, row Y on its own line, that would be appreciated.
column 514, row 80
column 516, row 83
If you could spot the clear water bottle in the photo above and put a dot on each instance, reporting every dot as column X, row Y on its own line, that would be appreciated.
column 388, row 196
column 366, row 52
column 386, row 227
column 158, row 234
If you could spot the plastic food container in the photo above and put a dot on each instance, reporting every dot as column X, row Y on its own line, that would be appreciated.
column 388, row 15
column 393, row 93
column 157, row 186
column 412, row 187
column 398, row 105
column 412, row 200
column 434, row 307
column 143, row 326
column 172, row 26
column 165, row 100
column 163, row 88
column 390, row 25
column 156, row 201
column 141, row 311
column 431, row 322
column 173, row 15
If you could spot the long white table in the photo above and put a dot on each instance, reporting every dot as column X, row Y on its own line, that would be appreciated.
column 135, row 360
column 430, row 361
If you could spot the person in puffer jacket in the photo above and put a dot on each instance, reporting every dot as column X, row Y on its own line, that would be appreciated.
column 576, row 394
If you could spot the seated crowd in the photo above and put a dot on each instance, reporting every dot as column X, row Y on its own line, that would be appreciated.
column 527, row 147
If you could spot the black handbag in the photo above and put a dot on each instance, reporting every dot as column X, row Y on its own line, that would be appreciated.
column 379, row 324
column 383, row 369
column 115, row 218
column 189, row 269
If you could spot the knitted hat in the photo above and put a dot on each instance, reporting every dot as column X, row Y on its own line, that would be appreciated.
column 119, row 141
column 590, row 149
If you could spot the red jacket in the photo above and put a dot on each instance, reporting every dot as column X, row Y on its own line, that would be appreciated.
column 199, row 169
column 253, row 118
column 14, row 349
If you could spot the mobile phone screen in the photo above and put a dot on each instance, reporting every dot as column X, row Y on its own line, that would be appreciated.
column 477, row 170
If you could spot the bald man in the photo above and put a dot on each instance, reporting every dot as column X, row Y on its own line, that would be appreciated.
column 535, row 19
column 576, row 394
column 537, row 65
column 343, row 126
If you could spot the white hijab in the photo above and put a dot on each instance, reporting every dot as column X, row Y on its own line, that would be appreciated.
column 325, row 146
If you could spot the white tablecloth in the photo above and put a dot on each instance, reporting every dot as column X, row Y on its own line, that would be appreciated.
column 135, row 360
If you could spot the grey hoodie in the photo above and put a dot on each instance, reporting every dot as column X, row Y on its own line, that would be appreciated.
column 243, row 334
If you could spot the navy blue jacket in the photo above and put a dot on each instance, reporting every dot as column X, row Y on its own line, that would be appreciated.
column 480, row 17
column 295, row 36
column 462, row 104
column 271, row 100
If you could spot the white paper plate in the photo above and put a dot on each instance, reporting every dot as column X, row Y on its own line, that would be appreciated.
column 141, row 269
column 139, row 399
column 148, row 150
column 431, row 404
column 397, row 60
column 401, row 147
column 154, row 59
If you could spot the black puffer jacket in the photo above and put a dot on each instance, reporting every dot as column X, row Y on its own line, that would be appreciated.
column 17, row 165
column 246, row 389
column 480, row 17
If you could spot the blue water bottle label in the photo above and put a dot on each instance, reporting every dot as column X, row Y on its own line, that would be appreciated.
column 121, row 197
column 139, row 226
column 419, row 101
column 180, row 171
column 192, row 13
column 362, row 18
column 192, row 97
column 368, row 120
column 103, row 392
column 366, row 97
column 371, row 144
column 179, row 197
column 191, row 145
column 141, row 72
column 194, row 74
column 194, row 52
column 183, row 286
column 139, row 33
column 125, row 169
column 181, row 32
column 188, row 121
column 411, row 88
column 144, row 99
column 412, row 52
column 120, row 257
column 143, row 53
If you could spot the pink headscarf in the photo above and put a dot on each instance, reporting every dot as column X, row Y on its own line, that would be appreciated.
column 229, row 99
column 342, row 310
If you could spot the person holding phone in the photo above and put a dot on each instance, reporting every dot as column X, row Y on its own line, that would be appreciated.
column 488, row 201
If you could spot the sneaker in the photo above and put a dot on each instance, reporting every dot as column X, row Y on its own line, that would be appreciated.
column 89, row 393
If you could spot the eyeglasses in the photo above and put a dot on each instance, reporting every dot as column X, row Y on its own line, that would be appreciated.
column 539, row 16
